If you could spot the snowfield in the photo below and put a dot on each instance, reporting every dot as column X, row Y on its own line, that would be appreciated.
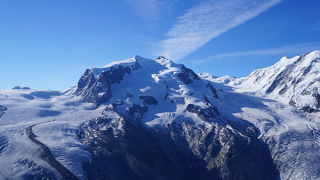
column 281, row 101
column 58, row 120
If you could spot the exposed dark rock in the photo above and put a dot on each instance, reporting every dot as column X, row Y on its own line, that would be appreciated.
column 292, row 103
column 280, row 78
column 166, row 96
column 283, row 90
column 86, row 81
column 136, row 111
column 161, row 57
column 97, row 90
column 213, row 90
column 317, row 96
column 2, row 110
column 176, row 151
column 187, row 75
column 296, row 81
column 283, row 77
column 206, row 114
column 294, row 77
column 307, row 70
column 149, row 100
column 129, row 95
column 22, row 88
column 134, row 154
column 309, row 109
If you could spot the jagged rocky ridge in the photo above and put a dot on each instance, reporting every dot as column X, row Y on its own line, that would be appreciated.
column 295, row 81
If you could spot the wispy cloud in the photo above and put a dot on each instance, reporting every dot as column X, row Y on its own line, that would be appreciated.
column 283, row 51
column 150, row 10
column 208, row 20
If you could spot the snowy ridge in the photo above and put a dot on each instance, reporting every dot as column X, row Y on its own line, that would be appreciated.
column 294, row 81
column 131, row 62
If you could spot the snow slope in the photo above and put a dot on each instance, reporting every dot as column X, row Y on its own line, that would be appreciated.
column 60, row 117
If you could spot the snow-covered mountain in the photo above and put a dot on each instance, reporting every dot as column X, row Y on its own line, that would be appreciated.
column 155, row 119
column 295, row 81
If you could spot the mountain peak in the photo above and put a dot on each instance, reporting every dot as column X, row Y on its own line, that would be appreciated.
column 293, row 80
column 133, row 74
column 125, row 62
column 164, row 61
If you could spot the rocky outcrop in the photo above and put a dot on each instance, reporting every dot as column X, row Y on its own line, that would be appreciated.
column 96, row 89
column 149, row 100
column 206, row 114
column 187, row 76
column 2, row 110
column 21, row 88
column 213, row 91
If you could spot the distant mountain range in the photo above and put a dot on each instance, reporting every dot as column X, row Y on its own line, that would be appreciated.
column 156, row 119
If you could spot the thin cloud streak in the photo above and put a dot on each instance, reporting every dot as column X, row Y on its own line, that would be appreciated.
column 150, row 10
column 207, row 21
column 284, row 50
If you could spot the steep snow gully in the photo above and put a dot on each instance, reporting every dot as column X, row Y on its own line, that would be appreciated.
column 155, row 119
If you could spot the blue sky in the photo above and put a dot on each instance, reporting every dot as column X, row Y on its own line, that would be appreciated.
column 48, row 44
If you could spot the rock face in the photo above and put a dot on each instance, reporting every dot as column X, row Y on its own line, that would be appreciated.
column 149, row 100
column 187, row 76
column 295, row 81
column 125, row 150
column 162, row 121
column 2, row 110
column 96, row 88
column 206, row 114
